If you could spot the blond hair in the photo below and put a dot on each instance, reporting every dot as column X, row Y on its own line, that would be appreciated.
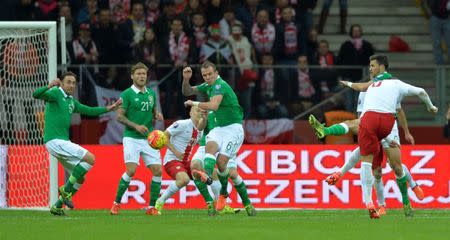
column 137, row 66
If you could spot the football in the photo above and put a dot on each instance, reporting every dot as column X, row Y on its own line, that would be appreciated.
column 157, row 139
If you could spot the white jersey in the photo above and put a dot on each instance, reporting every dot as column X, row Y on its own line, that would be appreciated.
column 183, row 135
column 385, row 96
column 360, row 106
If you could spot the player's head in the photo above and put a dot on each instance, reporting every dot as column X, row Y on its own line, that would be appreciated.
column 209, row 72
column 139, row 74
column 378, row 64
column 69, row 82
column 195, row 112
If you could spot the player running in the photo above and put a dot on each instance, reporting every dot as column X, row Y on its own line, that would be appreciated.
column 137, row 113
column 227, row 137
column 58, row 110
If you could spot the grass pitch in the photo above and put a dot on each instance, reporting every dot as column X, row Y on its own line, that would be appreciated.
column 195, row 224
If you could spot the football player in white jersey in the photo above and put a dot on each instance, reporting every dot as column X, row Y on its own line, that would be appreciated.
column 380, row 106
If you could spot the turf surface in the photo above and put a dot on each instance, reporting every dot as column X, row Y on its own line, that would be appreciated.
column 195, row 224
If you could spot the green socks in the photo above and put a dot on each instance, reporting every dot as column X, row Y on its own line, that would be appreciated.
column 155, row 188
column 123, row 186
column 78, row 172
column 203, row 189
column 401, row 182
column 209, row 161
column 336, row 129
column 223, row 178
column 242, row 190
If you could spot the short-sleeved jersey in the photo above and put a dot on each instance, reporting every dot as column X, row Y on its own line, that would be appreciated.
column 184, row 136
column 385, row 96
column 58, row 111
column 229, row 110
column 210, row 125
column 138, row 108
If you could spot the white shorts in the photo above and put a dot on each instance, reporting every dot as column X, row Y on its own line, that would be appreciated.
column 69, row 154
column 392, row 136
column 200, row 153
column 134, row 148
column 228, row 138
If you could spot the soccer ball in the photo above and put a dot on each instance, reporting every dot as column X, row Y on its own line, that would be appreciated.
column 157, row 139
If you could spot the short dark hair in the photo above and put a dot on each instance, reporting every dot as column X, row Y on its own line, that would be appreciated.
column 353, row 26
column 68, row 73
column 381, row 59
column 207, row 64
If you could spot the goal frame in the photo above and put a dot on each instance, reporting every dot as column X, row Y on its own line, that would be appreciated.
column 52, row 74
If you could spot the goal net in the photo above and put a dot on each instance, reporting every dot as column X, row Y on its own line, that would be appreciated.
column 27, row 61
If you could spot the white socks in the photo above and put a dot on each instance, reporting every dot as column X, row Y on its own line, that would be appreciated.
column 215, row 187
column 366, row 181
column 352, row 161
column 379, row 188
column 412, row 183
column 171, row 190
column 345, row 127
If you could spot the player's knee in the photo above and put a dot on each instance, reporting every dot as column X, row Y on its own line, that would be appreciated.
column 89, row 158
column 131, row 171
column 182, row 179
column 157, row 172
column 195, row 164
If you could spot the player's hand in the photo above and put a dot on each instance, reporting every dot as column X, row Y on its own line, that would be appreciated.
column 55, row 82
column 159, row 116
column 433, row 109
column 141, row 129
column 409, row 138
column 187, row 73
column 114, row 106
column 188, row 103
column 345, row 83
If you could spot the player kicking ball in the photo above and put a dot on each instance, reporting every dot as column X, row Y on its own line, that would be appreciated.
column 182, row 136
column 58, row 111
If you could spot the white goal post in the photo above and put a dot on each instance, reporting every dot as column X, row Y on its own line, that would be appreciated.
column 28, row 60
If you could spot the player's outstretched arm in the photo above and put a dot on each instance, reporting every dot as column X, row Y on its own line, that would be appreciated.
column 186, row 87
column 212, row 105
column 89, row 111
column 42, row 93
column 421, row 93
column 404, row 124
column 124, row 120
column 360, row 87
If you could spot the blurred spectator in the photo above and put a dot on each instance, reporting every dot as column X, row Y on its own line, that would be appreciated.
column 108, row 81
column 326, row 11
column 438, row 12
column 147, row 50
column 304, row 88
column 271, row 108
column 88, row 13
column 215, row 11
column 153, row 12
column 199, row 34
column 131, row 32
column 355, row 52
column 120, row 10
column 83, row 50
column 312, row 44
column 287, row 44
column 269, row 84
column 304, row 14
column 65, row 11
column 327, row 74
column 227, row 22
column 216, row 49
column 246, row 13
column 47, row 10
column 105, row 37
column 193, row 7
column 25, row 10
column 163, row 24
column 447, row 124
column 263, row 33
column 243, row 54
column 279, row 5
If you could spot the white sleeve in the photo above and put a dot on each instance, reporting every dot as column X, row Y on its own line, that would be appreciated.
column 409, row 90
column 175, row 128
column 399, row 103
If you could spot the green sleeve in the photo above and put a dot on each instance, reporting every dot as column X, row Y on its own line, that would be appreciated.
column 45, row 94
column 217, row 89
column 202, row 87
column 125, row 101
column 89, row 111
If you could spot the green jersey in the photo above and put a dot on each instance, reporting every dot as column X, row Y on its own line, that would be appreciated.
column 210, row 125
column 229, row 110
column 58, row 112
column 138, row 108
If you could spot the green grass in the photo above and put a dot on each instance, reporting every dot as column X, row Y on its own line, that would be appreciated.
column 195, row 224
